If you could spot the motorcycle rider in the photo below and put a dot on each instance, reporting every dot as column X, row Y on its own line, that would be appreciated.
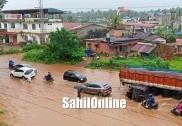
column 49, row 76
column 150, row 100
column 11, row 64
column 179, row 108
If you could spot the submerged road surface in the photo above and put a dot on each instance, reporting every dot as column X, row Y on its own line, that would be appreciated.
column 40, row 103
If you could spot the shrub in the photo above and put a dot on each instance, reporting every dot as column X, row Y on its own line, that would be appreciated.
column 29, row 47
column 11, row 51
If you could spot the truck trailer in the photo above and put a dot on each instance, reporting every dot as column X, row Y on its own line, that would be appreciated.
column 166, row 83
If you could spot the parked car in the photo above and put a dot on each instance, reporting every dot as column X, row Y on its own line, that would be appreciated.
column 24, row 65
column 72, row 75
column 98, row 88
column 23, row 72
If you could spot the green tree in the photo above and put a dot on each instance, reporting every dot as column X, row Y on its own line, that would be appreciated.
column 70, row 19
column 116, row 23
column 65, row 45
column 168, row 33
column 2, row 3
column 171, row 35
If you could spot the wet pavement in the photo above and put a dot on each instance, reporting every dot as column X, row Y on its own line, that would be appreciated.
column 40, row 103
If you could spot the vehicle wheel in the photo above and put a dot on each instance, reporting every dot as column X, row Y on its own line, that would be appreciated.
column 23, row 78
column 78, row 81
column 100, row 94
column 11, row 75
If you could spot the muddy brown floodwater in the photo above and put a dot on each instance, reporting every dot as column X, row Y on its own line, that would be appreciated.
column 40, row 103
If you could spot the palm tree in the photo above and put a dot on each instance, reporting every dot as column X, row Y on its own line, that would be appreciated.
column 116, row 23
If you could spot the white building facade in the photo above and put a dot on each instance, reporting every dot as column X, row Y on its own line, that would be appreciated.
column 17, row 27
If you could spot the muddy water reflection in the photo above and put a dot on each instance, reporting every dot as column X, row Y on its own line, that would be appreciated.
column 40, row 103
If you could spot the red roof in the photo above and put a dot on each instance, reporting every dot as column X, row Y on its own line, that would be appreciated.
column 140, row 25
column 70, row 26
column 179, row 42
column 143, row 48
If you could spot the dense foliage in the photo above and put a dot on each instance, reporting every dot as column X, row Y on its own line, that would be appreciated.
column 168, row 33
column 64, row 47
column 115, row 63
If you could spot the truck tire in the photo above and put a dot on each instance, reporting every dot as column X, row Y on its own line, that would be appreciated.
column 166, row 93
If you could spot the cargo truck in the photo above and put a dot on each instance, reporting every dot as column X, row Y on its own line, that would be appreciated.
column 166, row 83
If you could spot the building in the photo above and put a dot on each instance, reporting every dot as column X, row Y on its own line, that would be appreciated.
column 112, row 45
column 121, row 10
column 28, row 25
column 135, row 28
column 178, row 45
column 150, row 38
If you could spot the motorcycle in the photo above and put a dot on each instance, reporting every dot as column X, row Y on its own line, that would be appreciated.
column 153, row 106
column 48, row 79
column 173, row 111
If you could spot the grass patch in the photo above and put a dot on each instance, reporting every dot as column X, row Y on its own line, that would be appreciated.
column 4, row 124
column 156, row 63
column 43, row 56
column 2, row 111
column 11, row 51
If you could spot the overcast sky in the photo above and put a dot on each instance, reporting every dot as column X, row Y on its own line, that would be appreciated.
column 79, row 5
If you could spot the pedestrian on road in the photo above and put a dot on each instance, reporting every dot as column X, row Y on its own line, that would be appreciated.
column 29, row 78
column 79, row 93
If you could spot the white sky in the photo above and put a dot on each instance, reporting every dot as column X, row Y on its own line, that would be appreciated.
column 83, row 5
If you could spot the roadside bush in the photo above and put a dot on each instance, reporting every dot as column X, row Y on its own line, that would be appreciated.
column 33, row 55
column 29, row 47
column 10, row 51
column 1, row 48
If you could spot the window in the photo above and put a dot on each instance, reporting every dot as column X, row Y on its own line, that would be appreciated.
column 25, row 26
column 26, row 38
column 33, row 26
column 0, row 25
column 12, row 25
column 5, row 26
column 34, row 38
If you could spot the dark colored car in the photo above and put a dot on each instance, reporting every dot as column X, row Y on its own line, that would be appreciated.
column 72, row 75
column 98, row 88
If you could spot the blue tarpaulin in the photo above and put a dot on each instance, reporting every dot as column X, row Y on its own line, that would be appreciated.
column 179, row 33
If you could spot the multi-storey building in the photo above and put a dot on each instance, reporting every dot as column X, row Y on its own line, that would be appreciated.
column 29, row 25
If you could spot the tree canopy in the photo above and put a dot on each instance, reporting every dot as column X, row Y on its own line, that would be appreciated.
column 168, row 33
column 65, row 45
column 2, row 3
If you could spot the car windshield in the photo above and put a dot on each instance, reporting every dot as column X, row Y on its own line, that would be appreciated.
column 106, row 85
column 78, row 74
column 28, row 72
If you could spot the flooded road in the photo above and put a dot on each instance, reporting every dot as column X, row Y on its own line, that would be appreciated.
column 40, row 103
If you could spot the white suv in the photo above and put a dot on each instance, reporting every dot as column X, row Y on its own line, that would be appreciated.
column 23, row 72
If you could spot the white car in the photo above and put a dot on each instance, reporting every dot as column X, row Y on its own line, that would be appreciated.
column 17, row 66
column 23, row 72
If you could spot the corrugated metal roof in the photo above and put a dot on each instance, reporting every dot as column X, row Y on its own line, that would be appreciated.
column 143, row 48
column 179, row 42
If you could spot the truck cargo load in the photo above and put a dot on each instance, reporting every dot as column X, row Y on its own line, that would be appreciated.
column 160, row 79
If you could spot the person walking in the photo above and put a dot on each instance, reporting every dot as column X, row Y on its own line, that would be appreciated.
column 79, row 93
column 29, row 78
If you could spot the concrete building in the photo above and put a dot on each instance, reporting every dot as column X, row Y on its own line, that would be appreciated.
column 28, row 25
column 112, row 45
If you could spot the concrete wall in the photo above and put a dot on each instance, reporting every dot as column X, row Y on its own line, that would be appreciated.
column 84, row 30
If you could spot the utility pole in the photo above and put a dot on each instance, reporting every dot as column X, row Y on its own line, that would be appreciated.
column 41, row 13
